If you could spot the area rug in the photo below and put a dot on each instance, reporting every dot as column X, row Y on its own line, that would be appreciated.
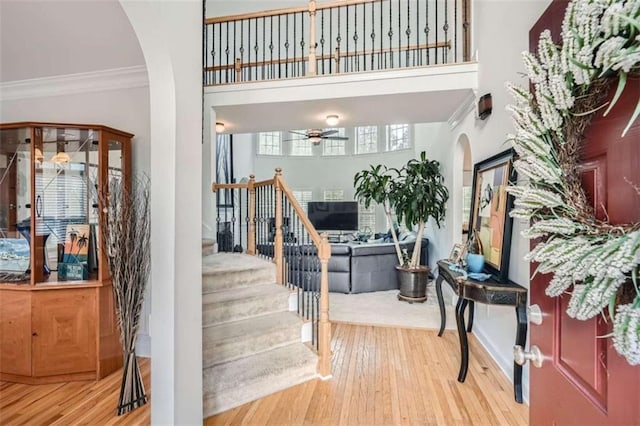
column 383, row 308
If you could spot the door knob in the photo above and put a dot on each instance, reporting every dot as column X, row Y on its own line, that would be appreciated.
column 535, row 314
column 520, row 356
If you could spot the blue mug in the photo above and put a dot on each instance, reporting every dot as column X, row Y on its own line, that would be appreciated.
column 475, row 262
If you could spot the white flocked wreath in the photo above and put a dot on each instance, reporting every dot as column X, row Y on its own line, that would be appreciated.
column 589, row 258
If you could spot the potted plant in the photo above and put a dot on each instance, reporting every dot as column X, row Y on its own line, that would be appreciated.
column 374, row 185
column 416, row 192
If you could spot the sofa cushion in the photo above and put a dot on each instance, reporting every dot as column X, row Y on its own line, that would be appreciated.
column 338, row 249
column 372, row 249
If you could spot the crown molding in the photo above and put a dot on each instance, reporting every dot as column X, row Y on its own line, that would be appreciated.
column 463, row 110
column 69, row 84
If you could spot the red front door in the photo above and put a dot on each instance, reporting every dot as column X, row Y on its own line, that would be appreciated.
column 583, row 380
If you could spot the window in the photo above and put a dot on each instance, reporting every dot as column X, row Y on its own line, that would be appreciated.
column 269, row 143
column 397, row 137
column 303, row 198
column 366, row 139
column 302, row 147
column 333, row 195
column 333, row 147
column 367, row 216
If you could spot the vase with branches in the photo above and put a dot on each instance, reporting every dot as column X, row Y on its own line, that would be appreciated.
column 125, row 229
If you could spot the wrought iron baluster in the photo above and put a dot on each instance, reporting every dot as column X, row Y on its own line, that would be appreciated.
column 294, row 68
column 437, row 30
column 390, row 34
column 232, row 224
column 249, row 70
column 240, row 220
column 455, row 30
column 346, row 58
column 233, row 74
column 355, row 40
column 271, row 47
column 322, row 38
column 226, row 51
column 330, row 40
column 264, row 41
column 408, row 33
column 256, row 49
column 286, row 45
column 399, row 36
column 426, row 29
column 416, row 55
column 381, row 53
column 338, row 39
column 364, row 37
column 373, row 33
column 445, row 27
column 241, row 45
column 302, row 43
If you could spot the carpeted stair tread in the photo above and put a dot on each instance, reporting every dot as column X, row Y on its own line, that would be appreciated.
column 222, row 271
column 233, row 340
column 234, row 383
column 236, row 304
column 208, row 246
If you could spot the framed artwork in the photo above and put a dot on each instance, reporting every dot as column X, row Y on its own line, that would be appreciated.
column 457, row 253
column 224, row 169
column 76, row 243
column 490, row 207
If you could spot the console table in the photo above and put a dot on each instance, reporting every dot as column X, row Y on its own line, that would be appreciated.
column 490, row 292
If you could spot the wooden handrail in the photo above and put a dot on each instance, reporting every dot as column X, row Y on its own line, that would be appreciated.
column 284, row 11
column 341, row 54
column 264, row 183
column 216, row 186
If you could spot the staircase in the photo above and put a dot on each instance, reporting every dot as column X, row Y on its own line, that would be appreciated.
column 251, row 340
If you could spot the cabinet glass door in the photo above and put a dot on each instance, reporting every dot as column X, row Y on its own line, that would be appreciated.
column 62, row 197
column 15, row 190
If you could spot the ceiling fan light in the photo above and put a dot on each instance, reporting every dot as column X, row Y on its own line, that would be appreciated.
column 332, row 120
column 315, row 140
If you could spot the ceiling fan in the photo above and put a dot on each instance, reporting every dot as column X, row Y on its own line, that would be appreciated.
column 317, row 135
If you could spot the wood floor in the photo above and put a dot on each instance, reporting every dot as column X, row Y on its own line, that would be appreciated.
column 392, row 376
column 381, row 376
column 86, row 403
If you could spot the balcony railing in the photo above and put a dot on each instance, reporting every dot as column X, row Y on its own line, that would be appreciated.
column 339, row 37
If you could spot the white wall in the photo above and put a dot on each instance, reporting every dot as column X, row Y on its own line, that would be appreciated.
column 170, row 36
column 435, row 139
column 501, row 34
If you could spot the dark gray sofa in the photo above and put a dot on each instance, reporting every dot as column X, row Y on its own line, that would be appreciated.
column 361, row 268
column 353, row 267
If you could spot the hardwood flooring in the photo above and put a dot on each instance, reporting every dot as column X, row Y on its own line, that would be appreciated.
column 392, row 376
column 73, row 403
column 381, row 376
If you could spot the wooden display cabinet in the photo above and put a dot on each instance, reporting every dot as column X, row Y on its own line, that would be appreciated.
column 57, row 312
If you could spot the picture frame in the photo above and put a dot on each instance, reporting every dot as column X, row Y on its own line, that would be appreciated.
column 490, row 206
column 224, row 169
column 457, row 253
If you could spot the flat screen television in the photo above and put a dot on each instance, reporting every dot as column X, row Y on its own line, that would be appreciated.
column 333, row 215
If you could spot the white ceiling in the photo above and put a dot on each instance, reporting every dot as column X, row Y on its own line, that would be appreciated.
column 354, row 111
column 40, row 38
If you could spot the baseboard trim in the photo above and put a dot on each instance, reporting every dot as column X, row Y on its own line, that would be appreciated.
column 69, row 84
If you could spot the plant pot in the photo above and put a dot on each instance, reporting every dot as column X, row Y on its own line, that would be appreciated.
column 475, row 262
column 413, row 283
